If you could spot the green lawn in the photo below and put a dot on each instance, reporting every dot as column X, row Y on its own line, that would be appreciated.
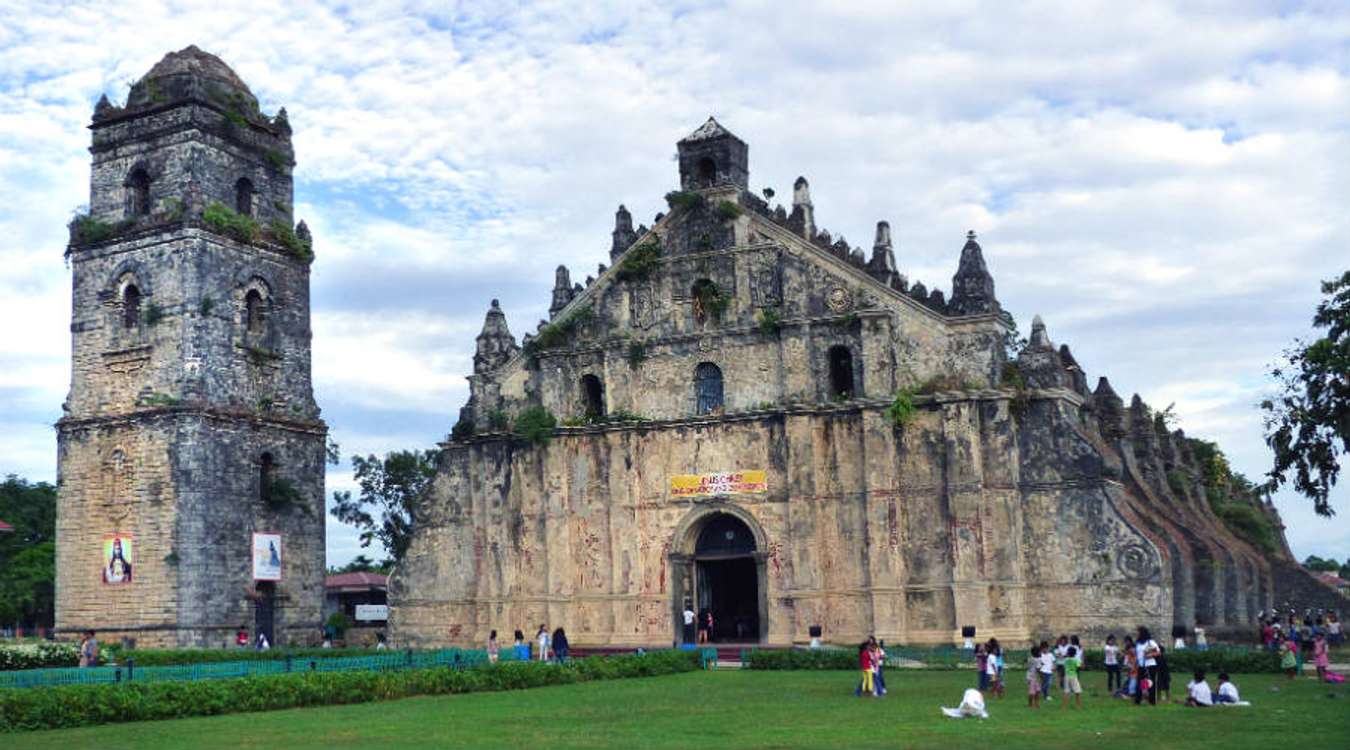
column 743, row 709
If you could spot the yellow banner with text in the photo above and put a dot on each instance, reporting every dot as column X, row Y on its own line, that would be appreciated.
column 727, row 483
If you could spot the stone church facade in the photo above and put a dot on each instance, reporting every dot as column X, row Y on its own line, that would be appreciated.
column 191, row 452
column 759, row 420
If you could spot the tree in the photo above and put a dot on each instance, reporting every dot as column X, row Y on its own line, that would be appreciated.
column 27, row 554
column 1308, row 422
column 1316, row 563
column 389, row 488
column 363, row 564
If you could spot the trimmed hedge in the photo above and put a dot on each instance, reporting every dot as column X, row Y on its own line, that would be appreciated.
column 822, row 658
column 169, row 657
column 84, row 705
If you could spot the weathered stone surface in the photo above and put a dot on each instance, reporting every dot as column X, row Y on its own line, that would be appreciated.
column 190, row 361
column 1022, row 512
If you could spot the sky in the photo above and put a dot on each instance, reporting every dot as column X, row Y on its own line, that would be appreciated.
column 1163, row 183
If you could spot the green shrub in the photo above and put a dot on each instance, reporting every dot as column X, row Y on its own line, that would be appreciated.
column 339, row 622
column 770, row 321
column 535, row 424
column 85, row 705
column 1176, row 481
column 709, row 300
column 637, row 354
column 687, row 200
column 86, row 230
column 152, row 313
column 499, row 420
column 559, row 331
column 284, row 235
column 726, row 210
column 1248, row 522
column 42, row 654
column 275, row 158
column 816, row 658
column 639, row 262
column 902, row 410
column 463, row 430
column 175, row 657
column 227, row 221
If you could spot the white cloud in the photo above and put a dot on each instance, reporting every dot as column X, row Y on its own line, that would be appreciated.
column 1161, row 181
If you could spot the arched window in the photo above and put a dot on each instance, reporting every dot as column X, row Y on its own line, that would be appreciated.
column 708, row 388
column 131, row 306
column 841, row 372
column 593, row 392
column 254, row 311
column 138, row 193
column 266, row 469
column 707, row 171
column 243, row 197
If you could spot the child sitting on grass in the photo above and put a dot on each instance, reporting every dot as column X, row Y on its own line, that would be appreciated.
column 1228, row 692
column 1197, row 691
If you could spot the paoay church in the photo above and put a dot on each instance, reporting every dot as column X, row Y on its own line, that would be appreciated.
column 758, row 420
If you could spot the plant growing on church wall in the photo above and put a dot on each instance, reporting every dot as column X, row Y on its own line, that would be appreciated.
column 230, row 223
column 684, row 199
column 559, row 331
column 727, row 211
column 535, row 424
column 770, row 321
column 639, row 262
column 709, row 301
column 637, row 354
column 152, row 314
column 902, row 410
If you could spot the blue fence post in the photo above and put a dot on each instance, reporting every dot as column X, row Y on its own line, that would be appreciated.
column 117, row 674
column 455, row 660
column 409, row 652
column 131, row 667
column 288, row 663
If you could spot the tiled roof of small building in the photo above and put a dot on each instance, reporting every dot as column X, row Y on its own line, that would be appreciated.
column 355, row 581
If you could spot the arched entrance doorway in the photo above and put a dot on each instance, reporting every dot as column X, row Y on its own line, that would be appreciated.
column 719, row 567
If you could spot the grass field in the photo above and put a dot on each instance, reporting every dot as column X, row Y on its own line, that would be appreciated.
column 743, row 709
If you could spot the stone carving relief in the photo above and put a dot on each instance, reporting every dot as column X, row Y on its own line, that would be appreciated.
column 766, row 282
column 839, row 299
column 1136, row 562
column 642, row 305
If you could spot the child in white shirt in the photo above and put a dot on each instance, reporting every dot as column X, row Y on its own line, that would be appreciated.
column 1228, row 692
column 1197, row 691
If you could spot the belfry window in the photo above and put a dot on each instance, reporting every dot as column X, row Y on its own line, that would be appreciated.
column 254, row 312
column 131, row 306
column 593, row 394
column 138, row 193
column 243, row 197
column 841, row 372
column 707, row 388
column 266, row 468
column 707, row 172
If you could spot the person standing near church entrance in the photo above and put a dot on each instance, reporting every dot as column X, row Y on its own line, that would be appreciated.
column 689, row 618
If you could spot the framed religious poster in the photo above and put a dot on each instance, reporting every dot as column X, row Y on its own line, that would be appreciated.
column 266, row 556
column 117, row 556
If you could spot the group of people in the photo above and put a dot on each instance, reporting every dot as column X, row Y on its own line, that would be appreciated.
column 550, row 647
column 1301, row 643
column 872, row 660
column 1136, row 669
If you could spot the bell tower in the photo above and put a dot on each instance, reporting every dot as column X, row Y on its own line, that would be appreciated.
column 191, row 452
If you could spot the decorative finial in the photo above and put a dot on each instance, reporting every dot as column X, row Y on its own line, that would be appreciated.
column 970, row 235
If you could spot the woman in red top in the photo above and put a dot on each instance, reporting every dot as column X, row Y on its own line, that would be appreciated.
column 865, row 663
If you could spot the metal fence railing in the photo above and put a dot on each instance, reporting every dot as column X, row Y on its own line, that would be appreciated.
column 454, row 658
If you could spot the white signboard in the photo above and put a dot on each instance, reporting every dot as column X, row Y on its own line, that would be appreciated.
column 266, row 557
column 370, row 612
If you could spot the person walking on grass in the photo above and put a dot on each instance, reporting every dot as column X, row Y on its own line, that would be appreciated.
column 1321, row 660
column 1288, row 657
column 990, row 677
column 1034, row 678
column 1072, row 661
column 865, row 664
column 1111, row 658
column 878, row 663
column 492, row 647
column 1131, row 668
column 1164, row 676
column 996, row 655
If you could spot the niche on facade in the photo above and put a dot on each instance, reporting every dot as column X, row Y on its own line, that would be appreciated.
column 841, row 373
column 706, row 172
column 592, row 396
column 137, row 193
column 255, row 313
column 243, row 197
